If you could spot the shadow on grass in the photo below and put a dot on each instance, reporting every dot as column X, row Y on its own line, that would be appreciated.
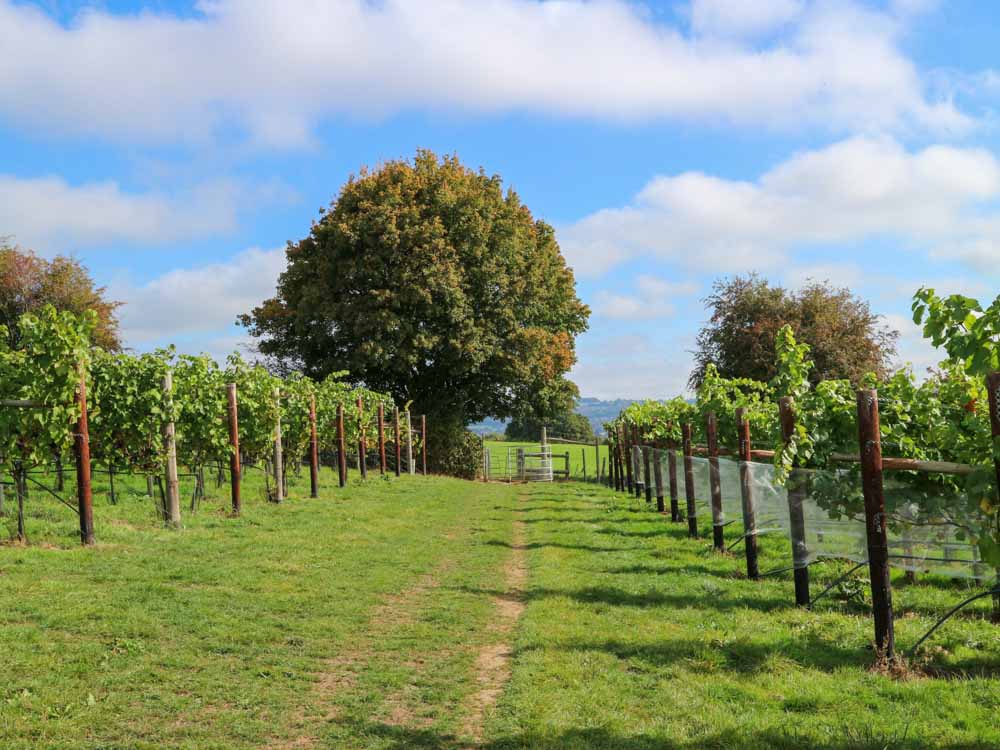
column 392, row 737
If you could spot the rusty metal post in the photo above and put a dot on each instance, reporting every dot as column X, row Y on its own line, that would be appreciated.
column 870, row 444
column 993, row 391
column 715, row 482
column 341, row 446
column 796, row 511
column 381, row 438
column 675, row 510
column 234, row 446
column 362, row 444
column 395, row 426
column 746, row 492
column 423, row 442
column 313, row 449
column 692, row 512
column 81, row 444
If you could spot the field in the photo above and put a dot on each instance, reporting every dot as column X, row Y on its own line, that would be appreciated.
column 435, row 613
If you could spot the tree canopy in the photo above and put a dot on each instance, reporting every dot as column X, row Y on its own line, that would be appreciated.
column 28, row 283
column 429, row 281
column 846, row 338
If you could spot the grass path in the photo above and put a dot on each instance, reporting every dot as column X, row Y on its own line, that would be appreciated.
column 434, row 613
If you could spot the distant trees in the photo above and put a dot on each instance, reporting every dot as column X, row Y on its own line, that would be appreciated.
column 566, row 425
column 846, row 338
column 28, row 283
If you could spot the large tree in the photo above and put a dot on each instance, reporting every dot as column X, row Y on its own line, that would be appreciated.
column 846, row 338
column 28, row 283
column 567, row 425
column 429, row 281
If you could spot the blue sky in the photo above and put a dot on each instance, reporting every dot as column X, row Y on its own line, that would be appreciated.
column 175, row 147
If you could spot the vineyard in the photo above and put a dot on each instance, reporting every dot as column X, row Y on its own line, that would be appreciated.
column 175, row 419
column 821, row 487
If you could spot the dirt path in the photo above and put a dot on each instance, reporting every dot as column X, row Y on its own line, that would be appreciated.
column 493, row 664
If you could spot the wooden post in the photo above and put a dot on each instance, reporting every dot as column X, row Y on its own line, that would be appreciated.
column 313, row 449
column 675, row 510
column 20, row 485
column 746, row 492
column 234, row 446
column 341, row 446
column 583, row 455
column 395, row 424
column 715, row 482
column 636, row 461
column 796, row 512
column 279, row 468
column 173, row 486
column 692, row 512
column 423, row 441
column 646, row 478
column 597, row 458
column 84, row 496
column 870, row 445
column 545, row 436
column 658, row 477
column 993, row 391
column 627, row 459
column 362, row 445
column 381, row 437
column 409, row 444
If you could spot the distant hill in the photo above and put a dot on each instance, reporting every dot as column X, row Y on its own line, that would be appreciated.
column 594, row 409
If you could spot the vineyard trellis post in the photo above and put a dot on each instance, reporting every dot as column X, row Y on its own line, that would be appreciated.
column 279, row 469
column 692, row 512
column 636, row 461
column 341, row 447
column 395, row 425
column 313, row 449
column 796, row 512
column 870, row 444
column 409, row 444
column 993, row 393
column 81, row 442
column 583, row 455
column 715, row 482
column 234, row 447
column 675, row 511
column 362, row 447
column 658, row 476
column 746, row 493
column 613, row 482
column 627, row 458
column 423, row 442
column 169, row 434
column 381, row 438
column 597, row 458
column 646, row 470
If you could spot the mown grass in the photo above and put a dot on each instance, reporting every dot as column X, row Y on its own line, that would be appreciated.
column 217, row 636
column 636, row 637
column 356, row 621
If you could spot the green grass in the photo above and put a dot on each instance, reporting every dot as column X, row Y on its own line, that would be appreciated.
column 356, row 621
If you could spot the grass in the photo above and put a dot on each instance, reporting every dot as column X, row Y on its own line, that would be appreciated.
column 360, row 619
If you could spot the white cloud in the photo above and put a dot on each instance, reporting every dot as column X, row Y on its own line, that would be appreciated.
column 742, row 18
column 198, row 304
column 942, row 199
column 650, row 298
column 275, row 68
column 49, row 214
column 632, row 365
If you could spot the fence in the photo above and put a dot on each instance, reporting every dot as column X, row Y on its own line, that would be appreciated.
column 805, row 511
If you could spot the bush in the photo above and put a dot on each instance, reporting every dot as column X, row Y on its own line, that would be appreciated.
column 455, row 452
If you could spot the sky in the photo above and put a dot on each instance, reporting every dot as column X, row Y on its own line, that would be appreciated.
column 174, row 147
